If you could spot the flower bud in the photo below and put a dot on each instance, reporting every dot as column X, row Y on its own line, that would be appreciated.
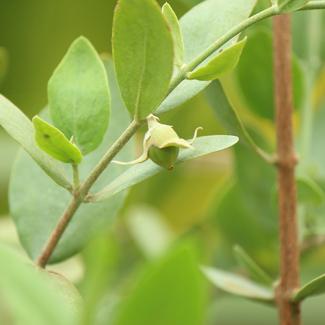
column 161, row 144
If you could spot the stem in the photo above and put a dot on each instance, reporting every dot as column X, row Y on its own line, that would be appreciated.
column 314, row 5
column 286, row 161
column 79, row 195
column 76, row 179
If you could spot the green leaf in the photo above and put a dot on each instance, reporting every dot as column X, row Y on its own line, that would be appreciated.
column 309, row 192
column 20, row 128
column 79, row 97
column 29, row 295
column 202, row 26
column 149, row 230
column 169, row 292
column 54, row 142
column 291, row 5
column 37, row 207
column 313, row 288
column 140, row 172
column 255, row 75
column 221, row 64
column 225, row 112
column 238, row 285
column 143, row 55
column 173, row 24
column 254, row 270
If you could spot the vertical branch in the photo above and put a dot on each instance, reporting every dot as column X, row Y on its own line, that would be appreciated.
column 286, row 161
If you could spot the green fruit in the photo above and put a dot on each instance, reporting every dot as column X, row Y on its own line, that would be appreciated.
column 165, row 157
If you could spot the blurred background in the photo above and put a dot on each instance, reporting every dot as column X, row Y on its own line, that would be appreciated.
column 218, row 201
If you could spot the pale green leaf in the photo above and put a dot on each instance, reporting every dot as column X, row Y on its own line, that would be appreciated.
column 143, row 55
column 225, row 112
column 37, row 207
column 238, row 285
column 149, row 230
column 291, row 5
column 173, row 24
column 20, row 128
column 140, row 172
column 221, row 64
column 79, row 97
column 29, row 295
column 201, row 26
column 254, row 270
column 54, row 142
column 169, row 292
column 313, row 288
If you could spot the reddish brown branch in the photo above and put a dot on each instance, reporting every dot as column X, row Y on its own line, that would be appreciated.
column 286, row 161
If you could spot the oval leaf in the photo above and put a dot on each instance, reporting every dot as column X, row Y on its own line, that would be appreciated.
column 37, row 207
column 20, row 128
column 54, row 142
column 79, row 97
column 202, row 26
column 221, row 64
column 238, row 285
column 143, row 55
column 31, row 296
column 140, row 172
column 169, row 292
column 173, row 24
column 254, row 270
column 312, row 288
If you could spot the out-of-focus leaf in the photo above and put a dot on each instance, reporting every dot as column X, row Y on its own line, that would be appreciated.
column 143, row 55
column 201, row 26
column 54, row 142
column 221, row 64
column 79, row 97
column 255, row 74
column 309, row 192
column 37, row 207
column 29, row 294
column 140, row 172
column 225, row 112
column 169, row 292
column 3, row 63
column 254, row 270
column 290, row 5
column 173, row 24
column 100, row 262
column 238, row 285
column 149, row 231
column 20, row 128
column 312, row 288
column 316, row 159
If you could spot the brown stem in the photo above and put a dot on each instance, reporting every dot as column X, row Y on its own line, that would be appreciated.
column 81, row 192
column 289, row 312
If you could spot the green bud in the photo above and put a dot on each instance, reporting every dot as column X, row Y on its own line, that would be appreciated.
column 165, row 157
column 161, row 144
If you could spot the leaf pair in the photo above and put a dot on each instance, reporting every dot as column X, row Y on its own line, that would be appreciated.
column 79, row 102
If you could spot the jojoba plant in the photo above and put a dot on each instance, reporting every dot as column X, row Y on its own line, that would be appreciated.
column 77, row 156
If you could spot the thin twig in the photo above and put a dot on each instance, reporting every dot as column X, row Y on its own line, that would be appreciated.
column 80, row 194
column 289, row 312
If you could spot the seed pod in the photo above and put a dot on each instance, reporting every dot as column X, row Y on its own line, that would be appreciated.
column 161, row 144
